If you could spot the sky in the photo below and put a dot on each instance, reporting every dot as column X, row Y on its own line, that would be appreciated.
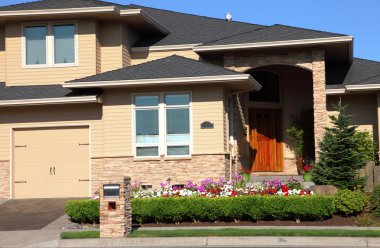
column 360, row 18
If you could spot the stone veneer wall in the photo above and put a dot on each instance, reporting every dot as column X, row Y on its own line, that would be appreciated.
column 116, row 223
column 155, row 171
column 312, row 59
column 4, row 180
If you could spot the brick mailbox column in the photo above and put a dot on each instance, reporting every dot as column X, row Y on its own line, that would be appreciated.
column 115, row 209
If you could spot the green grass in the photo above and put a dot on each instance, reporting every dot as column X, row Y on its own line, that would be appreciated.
column 232, row 232
column 255, row 232
column 80, row 235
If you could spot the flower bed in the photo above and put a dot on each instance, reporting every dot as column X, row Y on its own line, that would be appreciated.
column 223, row 188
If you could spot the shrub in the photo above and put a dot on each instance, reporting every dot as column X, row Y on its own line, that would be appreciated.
column 349, row 202
column 254, row 208
column 365, row 220
column 375, row 200
column 83, row 211
column 340, row 153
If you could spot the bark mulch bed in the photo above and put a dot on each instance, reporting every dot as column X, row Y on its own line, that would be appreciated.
column 336, row 220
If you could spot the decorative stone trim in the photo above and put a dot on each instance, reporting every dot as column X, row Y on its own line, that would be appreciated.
column 4, row 180
column 154, row 172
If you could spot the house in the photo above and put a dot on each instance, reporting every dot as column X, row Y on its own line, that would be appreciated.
column 94, row 90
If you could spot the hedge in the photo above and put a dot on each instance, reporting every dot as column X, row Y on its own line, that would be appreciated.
column 83, row 211
column 182, row 209
column 254, row 208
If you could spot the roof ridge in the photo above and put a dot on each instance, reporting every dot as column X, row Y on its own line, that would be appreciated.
column 234, row 35
column 308, row 29
column 207, row 17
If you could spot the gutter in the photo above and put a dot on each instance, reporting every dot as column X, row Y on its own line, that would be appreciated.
column 48, row 101
column 318, row 41
column 165, row 81
column 108, row 9
column 353, row 88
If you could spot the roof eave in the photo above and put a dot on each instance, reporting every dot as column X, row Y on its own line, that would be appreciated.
column 149, row 19
column 318, row 41
column 50, row 101
column 107, row 9
column 251, row 82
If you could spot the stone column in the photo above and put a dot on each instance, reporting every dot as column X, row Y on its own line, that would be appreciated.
column 319, row 96
column 116, row 212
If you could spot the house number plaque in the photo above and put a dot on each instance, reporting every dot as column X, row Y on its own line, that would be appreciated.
column 207, row 125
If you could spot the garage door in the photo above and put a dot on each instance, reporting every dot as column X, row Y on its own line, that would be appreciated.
column 51, row 162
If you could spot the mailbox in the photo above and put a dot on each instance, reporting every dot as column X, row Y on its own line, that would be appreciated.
column 111, row 190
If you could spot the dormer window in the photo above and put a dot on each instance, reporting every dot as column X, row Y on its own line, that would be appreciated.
column 50, row 45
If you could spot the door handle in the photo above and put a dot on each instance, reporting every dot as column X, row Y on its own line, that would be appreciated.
column 54, row 170
column 20, row 181
column 50, row 170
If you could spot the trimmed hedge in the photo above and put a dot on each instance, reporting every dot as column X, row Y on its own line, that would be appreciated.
column 349, row 202
column 83, row 211
column 254, row 208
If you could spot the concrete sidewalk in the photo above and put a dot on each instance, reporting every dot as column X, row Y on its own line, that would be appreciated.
column 264, row 242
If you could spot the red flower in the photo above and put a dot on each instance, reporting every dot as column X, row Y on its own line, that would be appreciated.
column 284, row 188
column 306, row 168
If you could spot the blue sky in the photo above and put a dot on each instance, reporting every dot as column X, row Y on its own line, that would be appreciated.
column 358, row 18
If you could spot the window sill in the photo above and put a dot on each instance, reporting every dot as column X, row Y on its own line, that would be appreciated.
column 48, row 66
column 177, row 158
column 161, row 159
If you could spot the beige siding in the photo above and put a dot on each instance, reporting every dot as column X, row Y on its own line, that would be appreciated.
column 2, row 55
column 60, row 115
column 207, row 105
column 111, row 48
column 141, row 57
column 363, row 108
column 17, row 75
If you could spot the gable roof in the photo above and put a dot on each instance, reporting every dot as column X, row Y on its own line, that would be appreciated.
column 172, row 70
column 190, row 29
column 169, row 67
column 58, row 4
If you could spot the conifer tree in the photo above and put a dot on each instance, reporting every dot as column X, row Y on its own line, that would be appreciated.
column 339, row 154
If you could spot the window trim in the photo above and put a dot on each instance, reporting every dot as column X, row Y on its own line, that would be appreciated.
column 50, row 46
column 162, row 146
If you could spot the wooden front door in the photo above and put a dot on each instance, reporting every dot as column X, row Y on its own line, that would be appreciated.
column 265, row 140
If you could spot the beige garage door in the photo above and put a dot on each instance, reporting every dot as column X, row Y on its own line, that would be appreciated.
column 51, row 162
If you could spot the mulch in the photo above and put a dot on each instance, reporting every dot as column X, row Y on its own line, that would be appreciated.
column 336, row 220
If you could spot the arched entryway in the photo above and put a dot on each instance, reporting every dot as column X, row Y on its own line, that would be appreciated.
column 285, row 101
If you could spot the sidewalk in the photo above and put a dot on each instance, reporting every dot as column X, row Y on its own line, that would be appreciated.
column 264, row 242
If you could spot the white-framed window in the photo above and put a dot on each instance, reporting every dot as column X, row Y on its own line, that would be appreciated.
column 51, row 44
column 162, row 125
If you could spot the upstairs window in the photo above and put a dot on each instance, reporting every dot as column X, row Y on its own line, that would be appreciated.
column 35, row 45
column 50, row 44
column 64, row 43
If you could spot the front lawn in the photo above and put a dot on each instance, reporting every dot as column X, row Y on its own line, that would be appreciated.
column 255, row 232
column 80, row 235
column 233, row 232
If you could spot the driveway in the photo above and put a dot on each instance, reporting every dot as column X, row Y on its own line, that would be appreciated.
column 30, row 214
